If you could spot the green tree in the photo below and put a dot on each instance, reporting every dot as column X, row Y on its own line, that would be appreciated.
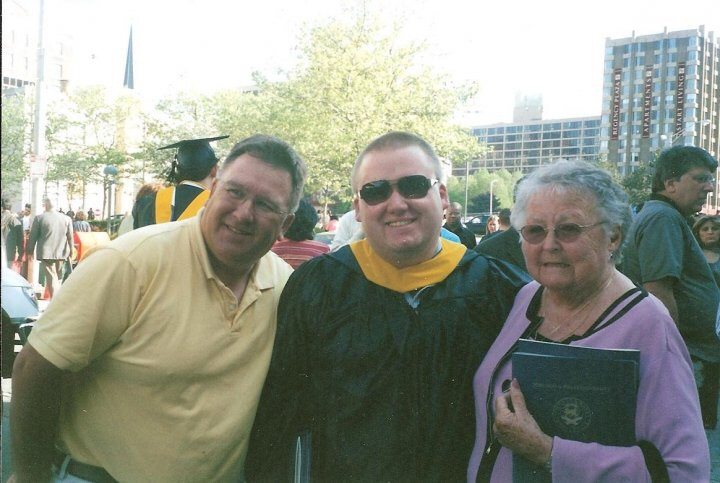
column 479, row 190
column 86, row 132
column 638, row 183
column 13, row 139
column 355, row 80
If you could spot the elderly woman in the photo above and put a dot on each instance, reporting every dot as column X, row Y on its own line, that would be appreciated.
column 572, row 218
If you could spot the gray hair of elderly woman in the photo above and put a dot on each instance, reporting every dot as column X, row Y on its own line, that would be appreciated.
column 582, row 179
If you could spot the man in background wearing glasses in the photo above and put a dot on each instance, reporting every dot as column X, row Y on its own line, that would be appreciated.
column 378, row 342
column 663, row 256
column 157, row 374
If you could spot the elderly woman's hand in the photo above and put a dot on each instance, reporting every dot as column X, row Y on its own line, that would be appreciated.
column 517, row 430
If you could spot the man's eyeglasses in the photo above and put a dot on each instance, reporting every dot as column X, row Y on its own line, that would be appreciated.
column 564, row 232
column 260, row 206
column 411, row 187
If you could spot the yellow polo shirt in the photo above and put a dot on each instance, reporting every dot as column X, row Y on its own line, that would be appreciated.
column 167, row 366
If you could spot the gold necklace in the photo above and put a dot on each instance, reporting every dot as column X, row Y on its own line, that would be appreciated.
column 592, row 299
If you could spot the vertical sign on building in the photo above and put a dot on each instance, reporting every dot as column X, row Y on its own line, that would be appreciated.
column 615, row 116
column 647, row 102
column 680, row 101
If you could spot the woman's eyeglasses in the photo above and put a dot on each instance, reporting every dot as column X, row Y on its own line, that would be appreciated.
column 565, row 232
column 411, row 187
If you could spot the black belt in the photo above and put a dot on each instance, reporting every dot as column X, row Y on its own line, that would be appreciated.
column 85, row 471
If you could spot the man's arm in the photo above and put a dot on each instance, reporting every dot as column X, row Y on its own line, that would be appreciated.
column 663, row 289
column 69, row 235
column 34, row 414
column 33, row 238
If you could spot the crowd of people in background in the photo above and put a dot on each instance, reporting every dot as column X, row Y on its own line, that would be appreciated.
column 381, row 355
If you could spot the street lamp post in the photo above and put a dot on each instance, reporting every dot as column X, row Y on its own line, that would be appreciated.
column 467, row 176
column 491, row 195
column 671, row 140
column 109, row 172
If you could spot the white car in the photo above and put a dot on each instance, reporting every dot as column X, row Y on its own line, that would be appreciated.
column 19, row 313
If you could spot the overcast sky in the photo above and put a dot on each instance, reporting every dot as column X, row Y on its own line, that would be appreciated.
column 554, row 48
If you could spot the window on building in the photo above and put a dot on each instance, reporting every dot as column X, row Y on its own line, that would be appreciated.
column 672, row 57
column 639, row 74
column 658, row 59
column 638, row 89
column 670, row 85
column 551, row 126
column 672, row 43
column 693, row 42
column 671, row 71
column 626, row 64
column 692, row 55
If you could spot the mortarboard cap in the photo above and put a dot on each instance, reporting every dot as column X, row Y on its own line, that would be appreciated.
column 194, row 157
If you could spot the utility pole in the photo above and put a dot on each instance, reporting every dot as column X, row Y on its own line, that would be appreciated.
column 38, row 145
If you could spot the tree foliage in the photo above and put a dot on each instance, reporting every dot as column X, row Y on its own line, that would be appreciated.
column 86, row 132
column 478, row 190
column 13, row 138
column 355, row 81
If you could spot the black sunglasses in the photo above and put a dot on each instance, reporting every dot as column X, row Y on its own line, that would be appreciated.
column 565, row 232
column 411, row 187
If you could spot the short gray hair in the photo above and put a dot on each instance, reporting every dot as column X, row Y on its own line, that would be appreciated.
column 584, row 179
column 277, row 153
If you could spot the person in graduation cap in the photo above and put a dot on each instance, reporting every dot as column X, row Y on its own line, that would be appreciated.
column 377, row 342
column 191, row 173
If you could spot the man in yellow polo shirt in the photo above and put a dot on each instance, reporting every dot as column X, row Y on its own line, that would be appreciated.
column 378, row 342
column 191, row 174
column 157, row 374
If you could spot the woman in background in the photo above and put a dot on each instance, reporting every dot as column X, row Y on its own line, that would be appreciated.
column 707, row 232
column 492, row 225
column 298, row 246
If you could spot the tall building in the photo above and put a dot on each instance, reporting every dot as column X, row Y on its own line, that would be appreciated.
column 20, row 49
column 523, row 146
column 659, row 90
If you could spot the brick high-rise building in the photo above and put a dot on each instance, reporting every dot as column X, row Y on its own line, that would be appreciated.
column 659, row 90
